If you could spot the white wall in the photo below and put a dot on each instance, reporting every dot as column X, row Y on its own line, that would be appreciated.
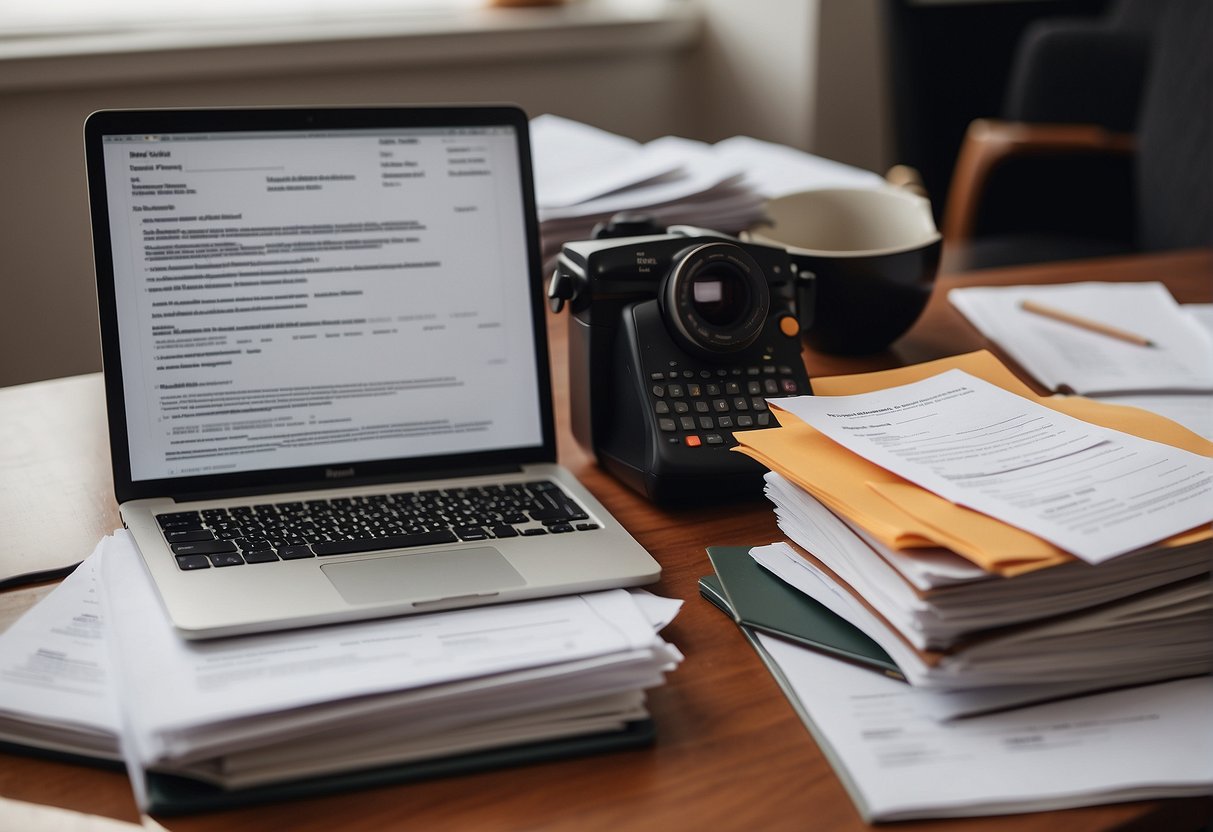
column 757, row 70
column 753, row 69
column 851, row 109
column 807, row 73
column 48, row 322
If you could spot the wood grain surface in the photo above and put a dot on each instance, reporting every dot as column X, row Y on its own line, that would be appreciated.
column 730, row 752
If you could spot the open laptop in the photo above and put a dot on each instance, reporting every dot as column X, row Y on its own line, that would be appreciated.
column 326, row 366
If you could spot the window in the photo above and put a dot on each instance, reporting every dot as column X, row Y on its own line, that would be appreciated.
column 31, row 18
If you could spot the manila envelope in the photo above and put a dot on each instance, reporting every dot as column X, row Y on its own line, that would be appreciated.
column 906, row 516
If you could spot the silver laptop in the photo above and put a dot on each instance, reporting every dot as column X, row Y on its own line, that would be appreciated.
column 326, row 366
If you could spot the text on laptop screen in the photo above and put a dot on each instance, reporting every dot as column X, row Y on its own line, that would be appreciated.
column 317, row 297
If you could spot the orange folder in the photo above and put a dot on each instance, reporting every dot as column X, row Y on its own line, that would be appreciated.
column 907, row 516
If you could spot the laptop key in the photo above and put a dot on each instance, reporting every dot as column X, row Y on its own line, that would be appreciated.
column 178, row 517
column 192, row 536
column 212, row 547
column 227, row 560
column 294, row 552
column 188, row 563
column 260, row 556
column 471, row 533
column 395, row 541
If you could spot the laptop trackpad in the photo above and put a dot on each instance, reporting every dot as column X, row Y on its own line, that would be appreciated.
column 424, row 576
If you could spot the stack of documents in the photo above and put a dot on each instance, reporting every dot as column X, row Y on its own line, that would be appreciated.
column 1171, row 375
column 584, row 175
column 899, row 763
column 96, row 670
column 1000, row 550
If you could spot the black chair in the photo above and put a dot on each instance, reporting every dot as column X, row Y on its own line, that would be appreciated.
column 1105, row 145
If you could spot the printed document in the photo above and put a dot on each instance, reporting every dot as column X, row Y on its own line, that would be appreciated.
column 54, row 671
column 899, row 763
column 189, row 700
column 1092, row 491
column 1065, row 357
column 95, row 669
column 1192, row 410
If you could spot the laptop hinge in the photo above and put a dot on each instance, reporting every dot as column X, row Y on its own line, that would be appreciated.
column 331, row 485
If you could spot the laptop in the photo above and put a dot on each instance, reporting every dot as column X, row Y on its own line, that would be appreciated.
column 326, row 366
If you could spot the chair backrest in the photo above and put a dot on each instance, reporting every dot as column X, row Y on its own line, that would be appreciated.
column 1083, row 70
column 1174, row 173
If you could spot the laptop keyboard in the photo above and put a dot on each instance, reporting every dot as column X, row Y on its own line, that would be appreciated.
column 272, row 532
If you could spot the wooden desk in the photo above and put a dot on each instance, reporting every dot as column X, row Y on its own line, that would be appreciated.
column 730, row 754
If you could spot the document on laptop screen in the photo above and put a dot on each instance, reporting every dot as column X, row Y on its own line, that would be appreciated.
column 308, row 298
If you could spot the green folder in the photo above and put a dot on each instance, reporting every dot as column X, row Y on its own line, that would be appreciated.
column 756, row 599
column 170, row 795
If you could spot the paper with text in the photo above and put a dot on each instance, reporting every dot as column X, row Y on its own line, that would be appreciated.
column 1063, row 356
column 1094, row 492
column 54, row 669
column 321, row 298
column 174, row 686
column 899, row 763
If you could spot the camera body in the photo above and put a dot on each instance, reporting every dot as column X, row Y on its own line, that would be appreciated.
column 675, row 341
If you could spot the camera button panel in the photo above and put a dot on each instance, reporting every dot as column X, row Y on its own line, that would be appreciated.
column 702, row 411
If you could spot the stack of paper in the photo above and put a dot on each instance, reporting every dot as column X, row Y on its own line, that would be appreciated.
column 96, row 670
column 1172, row 376
column 898, row 762
column 584, row 175
column 1014, row 487
column 1001, row 550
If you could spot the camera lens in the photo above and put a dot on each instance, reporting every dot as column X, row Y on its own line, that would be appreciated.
column 715, row 298
column 718, row 295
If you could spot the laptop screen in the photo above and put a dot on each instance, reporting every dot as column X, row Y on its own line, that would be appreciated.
column 320, row 297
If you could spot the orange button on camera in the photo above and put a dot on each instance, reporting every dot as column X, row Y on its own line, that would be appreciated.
column 693, row 441
column 789, row 326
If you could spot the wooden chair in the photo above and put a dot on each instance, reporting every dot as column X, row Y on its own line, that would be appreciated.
column 1104, row 146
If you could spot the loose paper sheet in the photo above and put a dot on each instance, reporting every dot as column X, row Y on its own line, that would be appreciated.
column 1094, row 492
column 174, row 686
column 899, row 763
column 54, row 664
column 1065, row 356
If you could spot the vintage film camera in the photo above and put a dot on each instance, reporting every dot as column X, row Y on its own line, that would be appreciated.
column 675, row 340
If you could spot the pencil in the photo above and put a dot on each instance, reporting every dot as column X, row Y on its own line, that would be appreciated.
column 1085, row 323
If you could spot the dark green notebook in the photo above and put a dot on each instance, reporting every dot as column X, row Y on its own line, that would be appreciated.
column 755, row 598
column 172, row 795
